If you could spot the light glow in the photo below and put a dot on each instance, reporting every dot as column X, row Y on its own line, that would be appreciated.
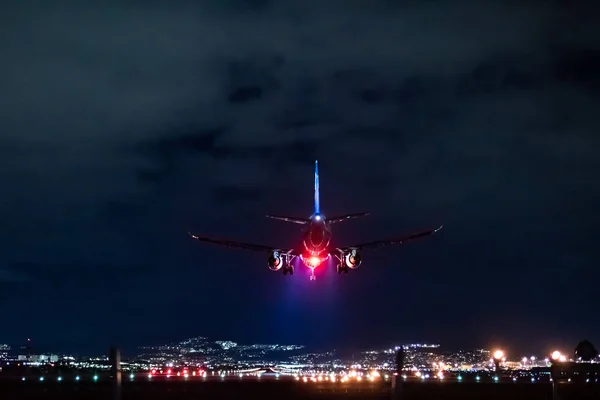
column 498, row 354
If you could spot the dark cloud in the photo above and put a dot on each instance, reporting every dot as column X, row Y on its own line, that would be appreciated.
column 127, row 124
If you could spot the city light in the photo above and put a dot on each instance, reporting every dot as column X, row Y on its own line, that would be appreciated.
column 498, row 354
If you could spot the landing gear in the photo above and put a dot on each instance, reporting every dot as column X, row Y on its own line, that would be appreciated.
column 288, row 270
column 341, row 268
column 313, row 277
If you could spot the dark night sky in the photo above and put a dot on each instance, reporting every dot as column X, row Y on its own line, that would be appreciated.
column 124, row 125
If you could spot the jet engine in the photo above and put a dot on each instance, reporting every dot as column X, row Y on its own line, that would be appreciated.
column 276, row 261
column 352, row 259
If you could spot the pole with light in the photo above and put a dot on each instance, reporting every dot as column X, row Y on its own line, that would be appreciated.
column 555, row 358
column 498, row 357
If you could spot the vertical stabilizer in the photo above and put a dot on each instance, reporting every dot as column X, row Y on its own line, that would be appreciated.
column 317, row 205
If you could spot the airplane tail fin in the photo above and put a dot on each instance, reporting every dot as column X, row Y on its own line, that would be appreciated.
column 293, row 220
column 317, row 210
column 341, row 218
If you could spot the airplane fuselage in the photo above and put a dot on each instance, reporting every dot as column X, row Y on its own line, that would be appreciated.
column 317, row 237
column 316, row 242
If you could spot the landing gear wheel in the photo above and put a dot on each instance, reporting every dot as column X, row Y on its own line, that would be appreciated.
column 285, row 270
column 313, row 278
column 291, row 271
column 341, row 268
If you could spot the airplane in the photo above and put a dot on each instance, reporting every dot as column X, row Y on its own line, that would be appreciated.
column 316, row 244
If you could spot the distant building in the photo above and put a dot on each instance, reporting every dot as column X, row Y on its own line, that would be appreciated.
column 38, row 358
column 4, row 349
column 226, row 344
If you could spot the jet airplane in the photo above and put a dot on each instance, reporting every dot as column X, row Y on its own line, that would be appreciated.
column 316, row 244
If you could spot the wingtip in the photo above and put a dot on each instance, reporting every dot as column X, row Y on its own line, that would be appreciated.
column 441, row 226
column 192, row 235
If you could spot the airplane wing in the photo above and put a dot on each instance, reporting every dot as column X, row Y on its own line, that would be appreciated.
column 340, row 218
column 235, row 244
column 381, row 243
column 293, row 220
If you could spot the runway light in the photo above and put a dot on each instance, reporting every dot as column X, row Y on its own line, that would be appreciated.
column 59, row 378
column 95, row 378
column 477, row 378
column 460, row 378
column 41, row 379
column 77, row 378
column 131, row 376
column 495, row 379
column 23, row 379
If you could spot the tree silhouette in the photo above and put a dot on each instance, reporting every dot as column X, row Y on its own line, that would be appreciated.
column 586, row 351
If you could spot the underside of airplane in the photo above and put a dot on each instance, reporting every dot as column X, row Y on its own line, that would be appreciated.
column 316, row 245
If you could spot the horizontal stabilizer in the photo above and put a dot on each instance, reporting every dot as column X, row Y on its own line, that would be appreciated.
column 293, row 220
column 345, row 217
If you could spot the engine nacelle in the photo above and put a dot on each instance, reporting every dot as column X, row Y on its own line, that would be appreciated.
column 276, row 261
column 352, row 259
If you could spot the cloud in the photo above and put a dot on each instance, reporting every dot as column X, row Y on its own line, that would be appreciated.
column 7, row 276
column 126, row 123
column 409, row 86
